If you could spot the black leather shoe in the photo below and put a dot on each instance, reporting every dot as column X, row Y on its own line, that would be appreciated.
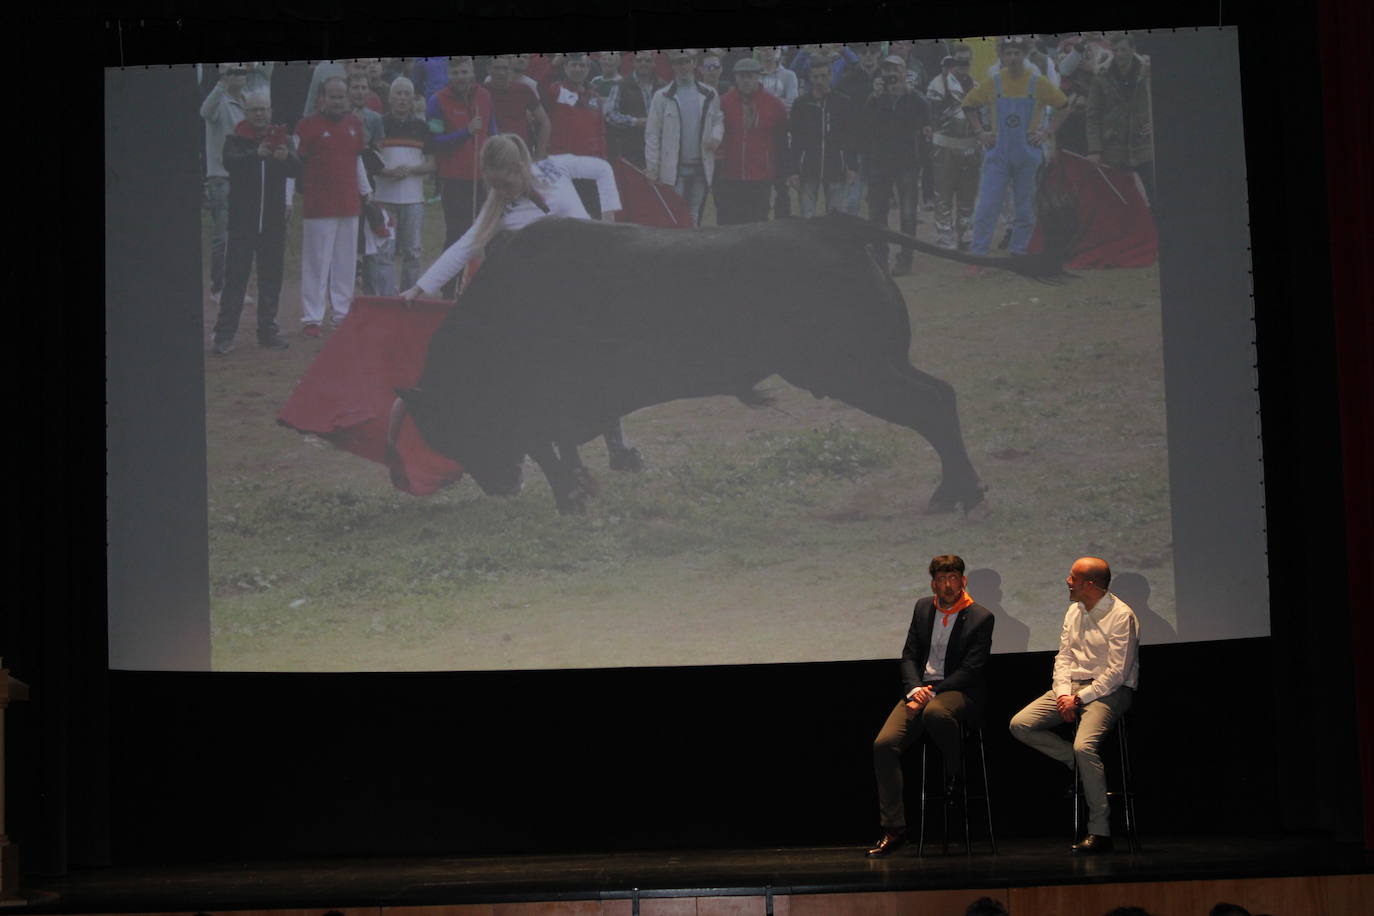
column 887, row 844
column 1092, row 844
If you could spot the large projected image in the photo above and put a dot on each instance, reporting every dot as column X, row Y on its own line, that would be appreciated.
column 782, row 474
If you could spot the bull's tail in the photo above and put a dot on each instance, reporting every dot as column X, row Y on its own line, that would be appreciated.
column 1059, row 229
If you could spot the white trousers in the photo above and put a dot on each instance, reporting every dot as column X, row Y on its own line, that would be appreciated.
column 329, row 266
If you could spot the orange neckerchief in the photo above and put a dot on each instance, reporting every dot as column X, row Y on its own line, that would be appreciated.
column 963, row 602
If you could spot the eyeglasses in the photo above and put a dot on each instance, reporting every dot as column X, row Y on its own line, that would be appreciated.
column 710, row 66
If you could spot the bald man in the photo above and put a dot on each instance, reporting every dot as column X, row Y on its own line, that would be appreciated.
column 1095, row 674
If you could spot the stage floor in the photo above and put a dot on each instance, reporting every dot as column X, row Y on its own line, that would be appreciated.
column 344, row 883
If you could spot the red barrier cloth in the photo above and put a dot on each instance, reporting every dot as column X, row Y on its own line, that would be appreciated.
column 1116, row 226
column 345, row 396
column 649, row 203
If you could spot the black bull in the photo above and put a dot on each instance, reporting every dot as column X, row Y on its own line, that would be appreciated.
column 572, row 324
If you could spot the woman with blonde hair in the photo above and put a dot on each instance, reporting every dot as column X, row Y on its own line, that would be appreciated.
column 520, row 191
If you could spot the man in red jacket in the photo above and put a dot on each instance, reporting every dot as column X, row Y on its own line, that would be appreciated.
column 333, row 185
column 576, row 112
column 516, row 106
column 460, row 119
column 578, row 118
column 752, row 154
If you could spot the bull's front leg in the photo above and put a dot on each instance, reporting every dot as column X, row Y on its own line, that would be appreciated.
column 568, row 496
column 572, row 460
column 903, row 394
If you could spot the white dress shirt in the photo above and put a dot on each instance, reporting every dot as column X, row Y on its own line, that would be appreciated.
column 939, row 644
column 1101, row 645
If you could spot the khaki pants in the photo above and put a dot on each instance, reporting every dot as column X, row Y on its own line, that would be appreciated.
column 941, row 717
column 1031, row 726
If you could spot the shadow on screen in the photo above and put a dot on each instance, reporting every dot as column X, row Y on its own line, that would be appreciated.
column 1134, row 589
column 1008, row 634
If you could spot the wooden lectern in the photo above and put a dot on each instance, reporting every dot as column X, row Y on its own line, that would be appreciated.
column 10, row 690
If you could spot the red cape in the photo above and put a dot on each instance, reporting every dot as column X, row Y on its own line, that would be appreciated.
column 1117, row 228
column 345, row 396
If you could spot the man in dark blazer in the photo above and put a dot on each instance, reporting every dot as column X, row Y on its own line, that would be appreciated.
column 942, row 675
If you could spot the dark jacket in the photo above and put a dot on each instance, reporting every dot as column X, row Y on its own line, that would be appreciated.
column 627, row 101
column 822, row 137
column 970, row 644
column 889, row 128
column 257, row 186
column 1119, row 127
column 857, row 83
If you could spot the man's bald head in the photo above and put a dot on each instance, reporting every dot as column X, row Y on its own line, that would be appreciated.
column 1094, row 570
column 1087, row 580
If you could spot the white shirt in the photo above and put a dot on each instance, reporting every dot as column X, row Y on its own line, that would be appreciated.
column 555, row 174
column 939, row 644
column 1102, row 644
column 407, row 190
column 689, row 105
column 783, row 84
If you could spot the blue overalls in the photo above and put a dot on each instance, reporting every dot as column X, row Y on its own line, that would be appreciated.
column 1012, row 160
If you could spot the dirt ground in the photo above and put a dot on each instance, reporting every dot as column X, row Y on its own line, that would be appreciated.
column 777, row 534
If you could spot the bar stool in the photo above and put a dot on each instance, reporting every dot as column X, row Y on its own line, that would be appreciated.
column 966, row 731
column 1125, row 793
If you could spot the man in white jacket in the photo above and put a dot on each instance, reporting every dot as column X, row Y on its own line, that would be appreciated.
column 222, row 111
column 684, row 128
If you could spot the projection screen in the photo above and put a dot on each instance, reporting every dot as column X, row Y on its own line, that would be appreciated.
column 1111, row 414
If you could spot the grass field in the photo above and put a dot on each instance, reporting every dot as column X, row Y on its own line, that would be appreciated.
column 788, row 533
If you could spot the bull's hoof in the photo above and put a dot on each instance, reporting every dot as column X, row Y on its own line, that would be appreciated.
column 947, row 498
column 573, row 502
column 627, row 459
column 941, row 504
column 586, row 482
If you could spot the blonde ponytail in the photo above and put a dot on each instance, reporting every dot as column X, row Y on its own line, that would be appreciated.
column 503, row 153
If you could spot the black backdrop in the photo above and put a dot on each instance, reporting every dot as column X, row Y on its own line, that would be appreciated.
column 1236, row 736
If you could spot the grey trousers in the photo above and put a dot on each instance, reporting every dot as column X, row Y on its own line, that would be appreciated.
column 1031, row 726
column 941, row 717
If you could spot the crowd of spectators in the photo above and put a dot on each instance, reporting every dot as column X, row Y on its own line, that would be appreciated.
column 742, row 135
